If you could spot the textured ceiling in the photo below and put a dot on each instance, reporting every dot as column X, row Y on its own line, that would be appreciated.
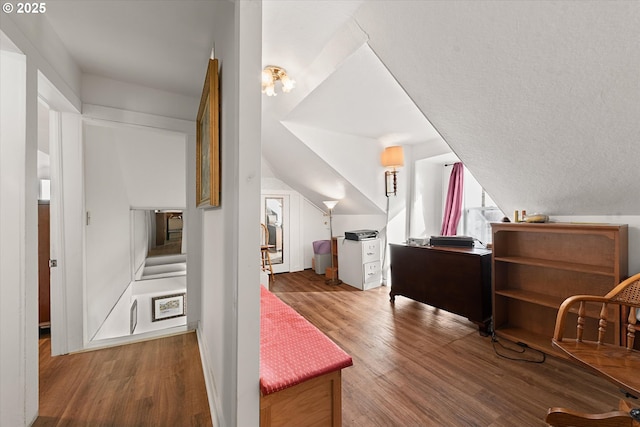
column 540, row 100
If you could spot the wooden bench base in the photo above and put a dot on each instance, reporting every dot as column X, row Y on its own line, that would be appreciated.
column 316, row 402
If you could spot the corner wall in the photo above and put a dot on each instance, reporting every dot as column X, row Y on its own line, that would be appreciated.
column 229, row 332
column 18, row 333
column 18, row 246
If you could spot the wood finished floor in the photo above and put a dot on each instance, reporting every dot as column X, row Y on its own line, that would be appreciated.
column 156, row 383
column 415, row 365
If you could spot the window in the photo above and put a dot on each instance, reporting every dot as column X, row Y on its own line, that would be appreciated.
column 479, row 211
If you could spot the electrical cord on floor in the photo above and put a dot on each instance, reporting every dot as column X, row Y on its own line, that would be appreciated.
column 522, row 350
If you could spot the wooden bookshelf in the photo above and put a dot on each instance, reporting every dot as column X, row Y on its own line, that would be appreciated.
column 537, row 266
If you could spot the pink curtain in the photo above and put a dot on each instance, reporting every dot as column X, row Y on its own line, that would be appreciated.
column 453, row 206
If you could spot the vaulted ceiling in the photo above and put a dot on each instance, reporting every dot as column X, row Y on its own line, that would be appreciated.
column 539, row 99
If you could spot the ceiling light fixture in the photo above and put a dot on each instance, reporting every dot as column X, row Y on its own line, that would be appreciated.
column 270, row 75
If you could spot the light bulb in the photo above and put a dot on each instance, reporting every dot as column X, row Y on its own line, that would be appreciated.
column 287, row 83
column 270, row 90
column 267, row 78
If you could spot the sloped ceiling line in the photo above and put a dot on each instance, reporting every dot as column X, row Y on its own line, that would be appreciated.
column 320, row 179
column 517, row 89
column 374, row 111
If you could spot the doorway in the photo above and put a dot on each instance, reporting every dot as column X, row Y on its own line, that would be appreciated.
column 135, row 197
column 275, row 215
column 58, row 143
column 44, row 282
column 44, row 222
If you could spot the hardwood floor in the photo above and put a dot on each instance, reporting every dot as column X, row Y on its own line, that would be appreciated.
column 170, row 247
column 152, row 383
column 415, row 365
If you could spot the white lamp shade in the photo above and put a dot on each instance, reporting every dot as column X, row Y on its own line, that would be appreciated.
column 330, row 204
column 392, row 157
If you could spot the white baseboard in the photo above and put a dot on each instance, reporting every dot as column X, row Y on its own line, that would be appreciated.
column 131, row 339
column 209, row 380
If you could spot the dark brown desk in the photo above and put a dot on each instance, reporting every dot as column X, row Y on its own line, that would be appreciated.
column 454, row 279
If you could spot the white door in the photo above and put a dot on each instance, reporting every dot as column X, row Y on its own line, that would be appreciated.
column 275, row 215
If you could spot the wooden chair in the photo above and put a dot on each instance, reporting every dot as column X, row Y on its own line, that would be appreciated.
column 619, row 364
column 264, row 251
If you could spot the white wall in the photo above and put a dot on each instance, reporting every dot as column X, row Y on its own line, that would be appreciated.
column 231, row 279
column 97, row 90
column 18, row 250
column 38, row 41
column 118, row 323
column 315, row 226
column 426, row 204
column 144, row 291
column 141, row 233
column 230, row 331
column 150, row 163
column 67, row 225
column 46, row 54
column 108, row 256
column 125, row 167
column 356, row 159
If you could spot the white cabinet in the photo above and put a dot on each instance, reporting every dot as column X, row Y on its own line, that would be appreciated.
column 359, row 263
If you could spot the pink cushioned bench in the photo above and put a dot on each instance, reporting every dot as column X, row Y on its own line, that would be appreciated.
column 300, row 369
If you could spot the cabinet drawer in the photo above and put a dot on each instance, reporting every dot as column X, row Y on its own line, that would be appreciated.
column 370, row 250
column 371, row 271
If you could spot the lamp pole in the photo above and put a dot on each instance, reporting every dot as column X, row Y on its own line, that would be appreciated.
column 392, row 157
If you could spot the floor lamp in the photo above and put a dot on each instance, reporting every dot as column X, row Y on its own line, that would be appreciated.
column 393, row 158
column 330, row 204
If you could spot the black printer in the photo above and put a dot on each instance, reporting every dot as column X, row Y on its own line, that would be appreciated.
column 360, row 234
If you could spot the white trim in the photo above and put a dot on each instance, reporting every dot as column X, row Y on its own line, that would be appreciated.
column 48, row 93
column 282, row 267
column 296, row 239
column 131, row 339
column 108, row 116
column 209, row 380
column 18, row 227
column 66, row 210
column 67, row 82
column 67, row 243
column 58, row 301
column 292, row 210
